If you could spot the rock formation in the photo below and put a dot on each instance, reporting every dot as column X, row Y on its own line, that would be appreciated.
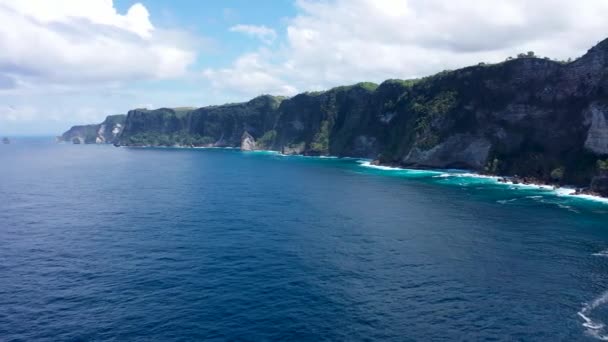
column 247, row 142
column 106, row 132
column 527, row 116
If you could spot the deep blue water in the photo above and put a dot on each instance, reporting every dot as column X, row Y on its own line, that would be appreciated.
column 104, row 243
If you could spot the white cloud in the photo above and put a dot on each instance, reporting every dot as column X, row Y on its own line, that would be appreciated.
column 263, row 33
column 63, row 61
column 99, row 12
column 345, row 41
column 250, row 74
column 75, row 41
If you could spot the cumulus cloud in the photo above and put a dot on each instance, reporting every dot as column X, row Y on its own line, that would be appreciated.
column 60, row 59
column 263, row 33
column 344, row 41
column 252, row 73
column 75, row 42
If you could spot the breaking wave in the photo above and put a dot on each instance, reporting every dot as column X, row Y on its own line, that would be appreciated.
column 594, row 328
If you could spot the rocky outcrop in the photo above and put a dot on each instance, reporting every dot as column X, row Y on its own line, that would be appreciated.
column 247, row 142
column 599, row 186
column 106, row 132
column 527, row 117
column 597, row 135
column 457, row 151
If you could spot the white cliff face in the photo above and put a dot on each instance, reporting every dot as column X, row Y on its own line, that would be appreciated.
column 103, row 137
column 116, row 130
column 597, row 136
column 247, row 142
column 100, row 134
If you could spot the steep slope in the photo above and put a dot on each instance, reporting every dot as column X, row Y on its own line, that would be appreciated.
column 104, row 133
column 534, row 118
column 207, row 126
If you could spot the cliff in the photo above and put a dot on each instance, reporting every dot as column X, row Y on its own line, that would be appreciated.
column 531, row 117
column 219, row 126
column 106, row 132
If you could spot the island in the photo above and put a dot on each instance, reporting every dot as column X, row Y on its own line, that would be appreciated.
column 532, row 119
column 6, row 141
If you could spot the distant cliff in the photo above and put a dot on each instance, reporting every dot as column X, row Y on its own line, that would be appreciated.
column 208, row 126
column 106, row 132
column 535, row 118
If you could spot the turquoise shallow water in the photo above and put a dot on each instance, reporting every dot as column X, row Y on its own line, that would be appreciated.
column 104, row 243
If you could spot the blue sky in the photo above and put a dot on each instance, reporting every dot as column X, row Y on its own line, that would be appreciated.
column 67, row 62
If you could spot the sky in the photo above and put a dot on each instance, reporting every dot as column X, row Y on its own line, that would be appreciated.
column 68, row 62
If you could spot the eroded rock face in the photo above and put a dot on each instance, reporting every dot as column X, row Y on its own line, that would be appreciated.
column 247, row 142
column 597, row 136
column 526, row 117
column 599, row 185
column 458, row 151
column 104, row 133
column 294, row 149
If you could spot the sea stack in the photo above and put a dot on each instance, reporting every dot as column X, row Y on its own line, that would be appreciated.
column 6, row 141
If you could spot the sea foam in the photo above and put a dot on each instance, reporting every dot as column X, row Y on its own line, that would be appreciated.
column 594, row 328
column 565, row 192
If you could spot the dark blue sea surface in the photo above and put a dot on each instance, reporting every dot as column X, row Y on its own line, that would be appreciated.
column 103, row 243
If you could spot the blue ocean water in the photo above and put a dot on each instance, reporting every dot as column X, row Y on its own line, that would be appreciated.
column 103, row 243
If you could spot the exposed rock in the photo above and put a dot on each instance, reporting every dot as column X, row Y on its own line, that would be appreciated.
column 599, row 185
column 597, row 136
column 365, row 146
column 542, row 120
column 106, row 132
column 294, row 149
column 247, row 142
column 458, row 151
column 207, row 126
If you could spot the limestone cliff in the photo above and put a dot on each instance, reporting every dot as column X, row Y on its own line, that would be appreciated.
column 247, row 142
column 530, row 117
column 208, row 126
column 106, row 132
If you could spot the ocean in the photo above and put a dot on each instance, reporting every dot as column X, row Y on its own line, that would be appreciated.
column 99, row 243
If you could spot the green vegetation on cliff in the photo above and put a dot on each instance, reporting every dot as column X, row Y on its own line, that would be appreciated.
column 528, row 116
column 102, row 133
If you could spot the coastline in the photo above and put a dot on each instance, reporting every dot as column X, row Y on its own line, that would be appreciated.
column 510, row 181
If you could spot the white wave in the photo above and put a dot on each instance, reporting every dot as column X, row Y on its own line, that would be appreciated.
column 592, row 198
column 558, row 191
column 367, row 163
column 564, row 191
column 475, row 175
column 210, row 147
column 603, row 253
column 262, row 151
column 379, row 167
column 594, row 328
column 507, row 201
column 528, row 186
column 443, row 175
